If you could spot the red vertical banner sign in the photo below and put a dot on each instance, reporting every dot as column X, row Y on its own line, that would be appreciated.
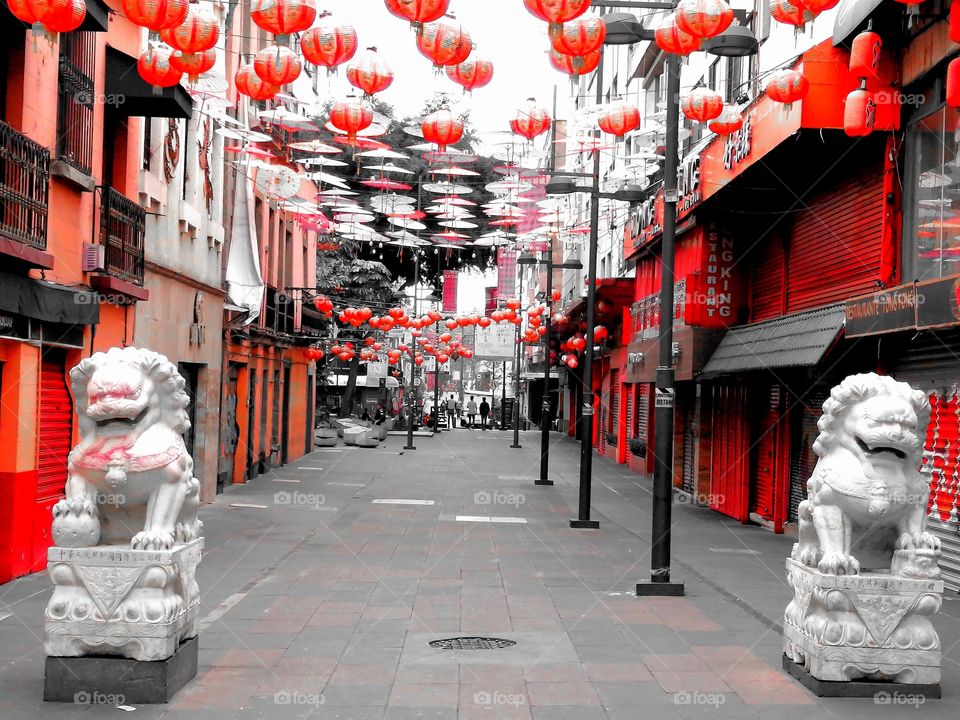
column 450, row 291
column 490, row 299
column 506, row 273
column 713, row 299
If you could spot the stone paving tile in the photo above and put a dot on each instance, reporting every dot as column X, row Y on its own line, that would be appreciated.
column 424, row 695
column 689, row 682
column 562, row 693
column 366, row 674
column 618, row 672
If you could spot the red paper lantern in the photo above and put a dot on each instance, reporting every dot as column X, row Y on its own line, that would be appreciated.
column 282, row 17
column 619, row 119
column 277, row 65
column 156, row 14
column 250, row 84
column 329, row 44
column 784, row 11
column 418, row 12
column 198, row 32
column 26, row 10
column 155, row 68
column 953, row 83
column 702, row 104
column 703, row 18
column 59, row 16
column 530, row 121
column 193, row 65
column 369, row 72
column 572, row 362
column 815, row 7
column 580, row 37
column 443, row 128
column 672, row 39
column 471, row 73
column 575, row 65
column 787, row 86
column 557, row 12
column 859, row 112
column 444, row 44
column 865, row 55
column 728, row 121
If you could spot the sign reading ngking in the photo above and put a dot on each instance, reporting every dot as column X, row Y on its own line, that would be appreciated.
column 713, row 296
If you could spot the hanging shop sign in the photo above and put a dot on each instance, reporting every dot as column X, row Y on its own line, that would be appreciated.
column 645, row 222
column 714, row 296
column 915, row 306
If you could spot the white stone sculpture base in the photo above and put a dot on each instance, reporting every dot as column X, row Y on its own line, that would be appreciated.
column 870, row 627
column 111, row 600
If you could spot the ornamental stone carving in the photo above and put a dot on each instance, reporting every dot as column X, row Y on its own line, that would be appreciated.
column 865, row 571
column 127, row 534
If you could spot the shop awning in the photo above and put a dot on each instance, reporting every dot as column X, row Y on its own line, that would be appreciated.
column 140, row 99
column 39, row 300
column 799, row 340
column 850, row 13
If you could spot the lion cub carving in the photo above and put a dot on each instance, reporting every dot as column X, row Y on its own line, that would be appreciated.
column 130, row 479
column 866, row 495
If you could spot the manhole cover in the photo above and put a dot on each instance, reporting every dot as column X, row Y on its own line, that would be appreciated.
column 472, row 643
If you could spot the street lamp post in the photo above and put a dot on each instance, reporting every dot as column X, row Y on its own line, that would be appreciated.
column 413, row 365
column 516, row 371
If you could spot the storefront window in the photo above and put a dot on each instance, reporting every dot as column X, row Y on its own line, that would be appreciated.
column 932, row 210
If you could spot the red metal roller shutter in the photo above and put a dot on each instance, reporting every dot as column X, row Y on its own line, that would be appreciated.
column 629, row 390
column 835, row 243
column 730, row 459
column 766, row 292
column 54, row 438
column 766, row 468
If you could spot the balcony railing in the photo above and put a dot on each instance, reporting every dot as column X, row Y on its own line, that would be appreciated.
column 24, row 188
column 279, row 312
column 122, row 224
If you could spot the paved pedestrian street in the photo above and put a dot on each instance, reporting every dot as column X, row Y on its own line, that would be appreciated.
column 324, row 582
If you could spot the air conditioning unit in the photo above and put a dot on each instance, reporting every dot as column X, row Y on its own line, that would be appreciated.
column 93, row 258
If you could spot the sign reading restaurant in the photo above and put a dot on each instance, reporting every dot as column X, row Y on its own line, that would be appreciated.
column 916, row 306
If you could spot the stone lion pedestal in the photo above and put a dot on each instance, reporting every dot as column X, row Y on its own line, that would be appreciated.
column 864, row 572
column 122, row 619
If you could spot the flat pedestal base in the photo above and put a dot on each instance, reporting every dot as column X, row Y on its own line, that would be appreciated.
column 543, row 482
column 648, row 588
column 516, row 447
column 882, row 692
column 85, row 680
column 585, row 524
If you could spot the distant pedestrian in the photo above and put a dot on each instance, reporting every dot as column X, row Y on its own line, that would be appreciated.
column 471, row 411
column 484, row 411
column 366, row 415
column 459, row 412
column 451, row 410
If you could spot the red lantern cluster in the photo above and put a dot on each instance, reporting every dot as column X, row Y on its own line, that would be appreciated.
column 575, row 65
column 198, row 32
column 579, row 37
column 619, row 119
column 787, row 86
column 672, row 39
column 728, row 121
column 277, row 65
column 530, row 121
column 329, row 44
column 193, row 65
column 953, row 83
column 54, row 16
column 351, row 116
column 313, row 354
column 702, row 104
column 471, row 73
column 703, row 18
column 444, row 44
column 369, row 72
column 443, row 128
column 788, row 13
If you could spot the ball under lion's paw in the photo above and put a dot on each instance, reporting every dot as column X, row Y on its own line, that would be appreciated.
column 805, row 554
column 152, row 540
column 836, row 563
column 75, row 531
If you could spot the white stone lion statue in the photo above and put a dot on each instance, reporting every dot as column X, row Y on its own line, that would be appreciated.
column 130, row 479
column 867, row 501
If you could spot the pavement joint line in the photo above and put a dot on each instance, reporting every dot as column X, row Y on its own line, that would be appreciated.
column 490, row 519
column 345, row 484
column 250, row 505
column 401, row 501
column 5, row 615
column 304, row 467
column 736, row 551
column 285, row 480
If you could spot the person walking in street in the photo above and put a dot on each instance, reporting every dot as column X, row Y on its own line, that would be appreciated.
column 471, row 412
column 484, row 411
column 452, row 411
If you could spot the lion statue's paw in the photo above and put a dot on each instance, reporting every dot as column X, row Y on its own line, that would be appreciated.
column 76, row 507
column 835, row 563
column 918, row 541
column 808, row 555
column 152, row 540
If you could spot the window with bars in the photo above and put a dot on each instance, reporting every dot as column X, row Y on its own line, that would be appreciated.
column 75, row 100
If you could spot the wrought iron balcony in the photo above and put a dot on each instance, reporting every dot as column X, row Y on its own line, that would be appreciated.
column 122, row 226
column 24, row 188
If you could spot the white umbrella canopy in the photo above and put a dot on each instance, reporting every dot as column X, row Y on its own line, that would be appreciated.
column 406, row 223
column 353, row 217
column 392, row 203
column 458, row 224
column 445, row 188
column 507, row 186
column 384, row 153
column 455, row 171
column 390, row 168
column 337, row 193
column 323, row 177
column 321, row 161
column 371, row 131
column 315, row 146
column 242, row 134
